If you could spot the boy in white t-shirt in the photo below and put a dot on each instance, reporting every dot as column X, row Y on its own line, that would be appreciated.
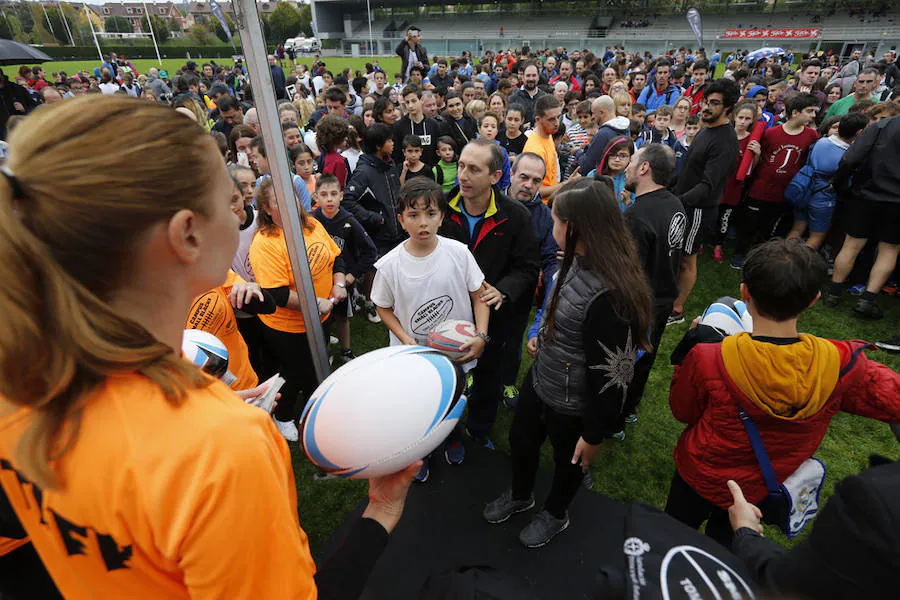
column 427, row 280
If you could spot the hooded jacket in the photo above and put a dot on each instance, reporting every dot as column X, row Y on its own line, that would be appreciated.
column 357, row 249
column 790, row 391
column 615, row 127
column 653, row 100
column 871, row 161
column 371, row 197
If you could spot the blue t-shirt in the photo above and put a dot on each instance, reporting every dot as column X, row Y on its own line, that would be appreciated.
column 470, row 220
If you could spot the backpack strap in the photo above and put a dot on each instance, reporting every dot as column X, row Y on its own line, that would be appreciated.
column 760, row 451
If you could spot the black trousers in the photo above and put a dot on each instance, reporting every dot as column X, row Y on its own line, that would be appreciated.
column 251, row 329
column 692, row 509
column 725, row 214
column 512, row 355
column 293, row 360
column 759, row 222
column 643, row 366
column 533, row 423
column 487, row 386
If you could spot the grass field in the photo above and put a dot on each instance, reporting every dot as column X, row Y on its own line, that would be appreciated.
column 641, row 467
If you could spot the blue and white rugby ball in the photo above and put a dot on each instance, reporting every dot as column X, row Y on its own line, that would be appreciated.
column 208, row 353
column 727, row 316
column 382, row 412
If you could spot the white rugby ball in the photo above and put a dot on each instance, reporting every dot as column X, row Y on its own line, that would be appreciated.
column 382, row 412
column 448, row 336
column 728, row 316
column 207, row 352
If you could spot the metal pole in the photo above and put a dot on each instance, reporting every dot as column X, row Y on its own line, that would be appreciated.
column 46, row 16
column 94, row 33
column 254, row 46
column 65, row 21
column 152, row 36
column 371, row 39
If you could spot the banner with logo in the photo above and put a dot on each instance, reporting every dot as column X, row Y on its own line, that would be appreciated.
column 763, row 34
column 216, row 10
column 693, row 17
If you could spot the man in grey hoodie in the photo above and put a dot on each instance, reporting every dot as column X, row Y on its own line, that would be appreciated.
column 603, row 109
column 156, row 84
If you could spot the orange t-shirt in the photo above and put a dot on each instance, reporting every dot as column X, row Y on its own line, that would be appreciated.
column 272, row 267
column 7, row 545
column 161, row 501
column 545, row 147
column 211, row 312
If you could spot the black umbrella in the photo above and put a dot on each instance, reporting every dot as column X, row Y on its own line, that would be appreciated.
column 14, row 53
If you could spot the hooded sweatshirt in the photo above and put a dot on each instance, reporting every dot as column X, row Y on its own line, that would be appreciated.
column 615, row 127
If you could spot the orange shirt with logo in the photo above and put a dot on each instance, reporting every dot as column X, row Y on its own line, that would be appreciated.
column 161, row 501
column 211, row 312
column 272, row 267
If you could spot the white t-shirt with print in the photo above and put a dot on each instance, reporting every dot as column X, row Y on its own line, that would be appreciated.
column 426, row 291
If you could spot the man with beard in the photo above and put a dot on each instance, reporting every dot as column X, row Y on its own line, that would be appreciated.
column 710, row 162
column 657, row 224
column 808, row 76
column 547, row 112
column 529, row 93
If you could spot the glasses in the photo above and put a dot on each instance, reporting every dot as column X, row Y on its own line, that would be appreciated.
column 621, row 156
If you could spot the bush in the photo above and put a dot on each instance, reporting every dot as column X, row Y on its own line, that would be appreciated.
column 144, row 51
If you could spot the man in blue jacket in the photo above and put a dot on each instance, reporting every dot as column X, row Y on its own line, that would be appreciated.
column 662, row 91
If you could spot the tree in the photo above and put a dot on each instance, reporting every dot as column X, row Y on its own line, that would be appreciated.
column 118, row 25
column 199, row 35
column 160, row 28
column 9, row 26
column 59, row 28
column 216, row 27
column 174, row 26
column 306, row 20
column 285, row 22
column 25, row 16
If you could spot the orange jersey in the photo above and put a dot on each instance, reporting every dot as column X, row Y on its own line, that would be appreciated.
column 7, row 545
column 161, row 501
column 212, row 312
column 272, row 267
column 545, row 147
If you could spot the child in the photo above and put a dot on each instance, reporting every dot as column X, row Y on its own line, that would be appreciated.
column 445, row 169
column 659, row 133
column 413, row 277
column 580, row 134
column 488, row 129
column 331, row 133
column 514, row 140
column 744, row 117
column 576, row 388
column 639, row 112
column 615, row 159
column 291, row 132
column 357, row 250
column 691, row 129
column 304, row 165
column 784, row 149
column 412, row 160
column 476, row 109
column 355, row 135
column 790, row 384
column 257, row 154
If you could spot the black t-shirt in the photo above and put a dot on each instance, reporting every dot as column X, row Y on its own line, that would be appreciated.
column 710, row 163
column 514, row 146
column 657, row 223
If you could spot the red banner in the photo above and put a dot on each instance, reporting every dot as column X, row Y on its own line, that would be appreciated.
column 763, row 34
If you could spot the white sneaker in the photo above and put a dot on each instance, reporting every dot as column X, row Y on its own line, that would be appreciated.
column 372, row 313
column 332, row 340
column 288, row 430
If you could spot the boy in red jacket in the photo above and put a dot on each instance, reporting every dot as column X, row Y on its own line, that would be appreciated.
column 791, row 385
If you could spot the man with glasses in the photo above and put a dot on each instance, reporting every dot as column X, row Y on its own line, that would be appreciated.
column 862, row 90
column 701, row 183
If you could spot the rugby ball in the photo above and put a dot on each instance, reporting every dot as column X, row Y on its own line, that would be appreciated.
column 727, row 316
column 382, row 412
column 448, row 336
column 208, row 353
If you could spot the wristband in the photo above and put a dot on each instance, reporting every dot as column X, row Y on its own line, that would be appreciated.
column 484, row 336
column 341, row 284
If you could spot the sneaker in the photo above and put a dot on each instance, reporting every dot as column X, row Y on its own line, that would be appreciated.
column 347, row 355
column 891, row 345
column 372, row 313
column 631, row 419
column 504, row 507
column 455, row 453
column 543, row 528
column 867, row 310
column 470, row 379
column 830, row 299
column 620, row 436
column 288, row 430
column 588, row 479
column 891, row 288
column 857, row 290
column 717, row 254
column 737, row 262
column 424, row 471
column 675, row 318
column 333, row 340
column 481, row 440
column 510, row 396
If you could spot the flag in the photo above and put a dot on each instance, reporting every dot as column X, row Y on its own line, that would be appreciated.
column 693, row 17
column 216, row 10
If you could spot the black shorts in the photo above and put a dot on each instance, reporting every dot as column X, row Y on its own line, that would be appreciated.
column 700, row 228
column 876, row 221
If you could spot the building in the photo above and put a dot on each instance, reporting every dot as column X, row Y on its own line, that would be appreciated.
column 134, row 12
column 200, row 11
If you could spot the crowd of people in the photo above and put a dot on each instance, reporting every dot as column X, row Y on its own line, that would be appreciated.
column 581, row 186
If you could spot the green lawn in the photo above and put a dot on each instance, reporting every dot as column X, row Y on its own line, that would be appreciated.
column 641, row 467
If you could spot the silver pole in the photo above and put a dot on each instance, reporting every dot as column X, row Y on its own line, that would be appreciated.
column 254, row 46
column 46, row 16
column 371, row 40
column 65, row 22
column 152, row 36
column 93, row 32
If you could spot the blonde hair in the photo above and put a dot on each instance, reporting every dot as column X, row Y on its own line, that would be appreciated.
column 305, row 109
column 475, row 109
column 65, row 250
column 622, row 99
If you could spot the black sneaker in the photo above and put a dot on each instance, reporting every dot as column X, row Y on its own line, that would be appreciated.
column 737, row 262
column 504, row 507
column 543, row 528
column 891, row 345
column 347, row 355
column 675, row 318
column 868, row 309
column 830, row 299
column 588, row 479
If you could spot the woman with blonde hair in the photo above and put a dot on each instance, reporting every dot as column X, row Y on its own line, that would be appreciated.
column 681, row 111
column 622, row 101
column 476, row 109
column 134, row 474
